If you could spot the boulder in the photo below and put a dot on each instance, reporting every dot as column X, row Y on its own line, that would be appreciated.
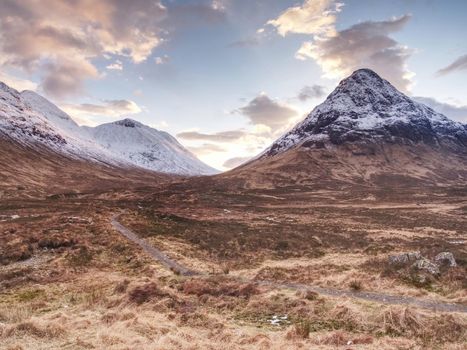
column 423, row 264
column 404, row 258
column 445, row 259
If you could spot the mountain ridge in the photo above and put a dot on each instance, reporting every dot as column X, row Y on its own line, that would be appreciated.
column 365, row 133
column 363, row 103
column 33, row 121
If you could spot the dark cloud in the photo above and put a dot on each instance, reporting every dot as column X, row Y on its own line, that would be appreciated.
column 265, row 111
column 457, row 65
column 223, row 136
column 364, row 45
column 235, row 162
column 458, row 113
column 309, row 92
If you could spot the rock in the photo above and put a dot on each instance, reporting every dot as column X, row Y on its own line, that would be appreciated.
column 404, row 258
column 424, row 264
column 446, row 259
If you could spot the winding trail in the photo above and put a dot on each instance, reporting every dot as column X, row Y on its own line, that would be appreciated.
column 382, row 298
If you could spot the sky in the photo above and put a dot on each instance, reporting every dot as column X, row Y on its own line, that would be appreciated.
column 228, row 77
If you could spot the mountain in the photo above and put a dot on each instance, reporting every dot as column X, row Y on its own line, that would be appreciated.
column 148, row 148
column 32, row 121
column 367, row 132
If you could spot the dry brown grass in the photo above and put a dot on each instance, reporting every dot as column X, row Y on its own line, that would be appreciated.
column 219, row 286
column 145, row 293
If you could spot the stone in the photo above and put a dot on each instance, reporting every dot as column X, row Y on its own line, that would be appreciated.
column 423, row 264
column 445, row 259
column 404, row 258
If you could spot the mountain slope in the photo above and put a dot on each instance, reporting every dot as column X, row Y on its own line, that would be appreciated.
column 148, row 148
column 365, row 132
column 32, row 121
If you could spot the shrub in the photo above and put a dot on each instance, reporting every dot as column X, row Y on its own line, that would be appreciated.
column 143, row 294
column 121, row 286
column 80, row 258
column 303, row 329
column 356, row 285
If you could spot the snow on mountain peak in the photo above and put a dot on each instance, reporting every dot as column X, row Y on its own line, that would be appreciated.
column 366, row 108
column 148, row 148
column 32, row 120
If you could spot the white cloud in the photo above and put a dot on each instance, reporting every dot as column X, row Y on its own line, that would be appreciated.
column 363, row 45
column 315, row 17
column 18, row 83
column 117, row 65
column 162, row 59
column 83, row 113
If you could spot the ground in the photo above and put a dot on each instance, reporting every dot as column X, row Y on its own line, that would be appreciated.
column 69, row 280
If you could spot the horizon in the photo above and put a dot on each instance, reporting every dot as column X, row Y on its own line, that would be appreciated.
column 256, row 68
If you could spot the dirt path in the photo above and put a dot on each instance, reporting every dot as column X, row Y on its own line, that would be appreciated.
column 370, row 296
column 152, row 251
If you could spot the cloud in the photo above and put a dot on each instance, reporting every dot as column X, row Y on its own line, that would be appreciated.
column 66, row 77
column 183, row 16
column 206, row 149
column 162, row 59
column 264, row 111
column 315, row 17
column 109, row 108
column 364, row 45
column 117, row 65
column 457, row 65
column 223, row 136
column 53, row 38
column 18, row 83
column 458, row 113
column 309, row 92
column 235, row 162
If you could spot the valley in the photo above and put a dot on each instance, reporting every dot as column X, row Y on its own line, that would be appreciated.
column 347, row 232
column 66, row 269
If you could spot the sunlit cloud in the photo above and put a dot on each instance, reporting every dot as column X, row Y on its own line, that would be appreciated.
column 84, row 113
column 61, row 39
column 364, row 45
column 315, row 17
column 18, row 83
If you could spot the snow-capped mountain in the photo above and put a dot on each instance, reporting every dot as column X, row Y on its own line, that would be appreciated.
column 32, row 121
column 148, row 148
column 365, row 107
column 365, row 132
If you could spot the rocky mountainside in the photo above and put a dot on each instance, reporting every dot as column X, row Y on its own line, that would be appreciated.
column 32, row 121
column 365, row 108
column 365, row 132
